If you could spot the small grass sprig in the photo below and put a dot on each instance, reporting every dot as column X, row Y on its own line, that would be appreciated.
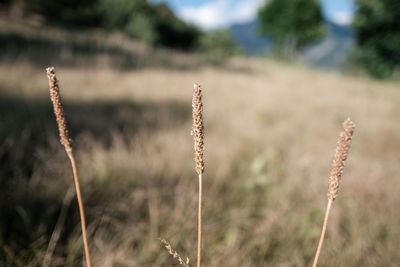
column 174, row 253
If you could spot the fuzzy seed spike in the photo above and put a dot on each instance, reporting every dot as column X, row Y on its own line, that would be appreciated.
column 198, row 128
column 58, row 109
column 339, row 159
column 198, row 137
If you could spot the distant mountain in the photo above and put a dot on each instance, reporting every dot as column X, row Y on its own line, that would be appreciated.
column 333, row 50
column 330, row 52
column 248, row 39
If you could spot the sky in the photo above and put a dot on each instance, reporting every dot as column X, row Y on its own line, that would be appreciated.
column 213, row 14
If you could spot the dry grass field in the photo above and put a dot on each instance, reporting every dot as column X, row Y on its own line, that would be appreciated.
column 270, row 134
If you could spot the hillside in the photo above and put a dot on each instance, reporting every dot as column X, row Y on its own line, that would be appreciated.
column 33, row 42
column 248, row 39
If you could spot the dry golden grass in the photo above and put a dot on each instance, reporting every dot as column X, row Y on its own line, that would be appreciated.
column 270, row 129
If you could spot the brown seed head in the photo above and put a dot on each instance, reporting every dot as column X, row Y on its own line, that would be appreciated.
column 198, row 128
column 58, row 109
column 339, row 159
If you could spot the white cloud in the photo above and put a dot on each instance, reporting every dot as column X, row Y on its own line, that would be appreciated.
column 220, row 13
column 209, row 15
column 342, row 18
column 245, row 11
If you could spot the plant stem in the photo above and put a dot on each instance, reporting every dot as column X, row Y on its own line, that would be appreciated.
column 81, row 211
column 321, row 240
column 199, row 223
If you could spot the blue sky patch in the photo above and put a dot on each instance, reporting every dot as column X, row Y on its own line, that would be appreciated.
column 212, row 14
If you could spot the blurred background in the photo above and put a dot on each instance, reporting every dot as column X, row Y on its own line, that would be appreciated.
column 278, row 76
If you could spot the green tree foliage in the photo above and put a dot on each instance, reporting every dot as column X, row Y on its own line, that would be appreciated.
column 292, row 23
column 66, row 12
column 217, row 46
column 152, row 23
column 117, row 13
column 143, row 28
column 377, row 27
column 172, row 31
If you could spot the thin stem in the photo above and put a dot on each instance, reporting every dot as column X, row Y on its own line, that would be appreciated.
column 321, row 240
column 199, row 223
column 81, row 211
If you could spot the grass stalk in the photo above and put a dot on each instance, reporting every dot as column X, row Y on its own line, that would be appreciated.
column 199, row 221
column 321, row 240
column 81, row 210
column 66, row 142
column 342, row 151
column 198, row 138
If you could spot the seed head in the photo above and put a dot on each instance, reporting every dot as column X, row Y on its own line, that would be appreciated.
column 174, row 253
column 339, row 159
column 58, row 109
column 198, row 128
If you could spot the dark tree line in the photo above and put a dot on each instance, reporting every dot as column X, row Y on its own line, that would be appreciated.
column 153, row 23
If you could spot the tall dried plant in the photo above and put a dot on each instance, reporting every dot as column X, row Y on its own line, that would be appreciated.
column 66, row 142
column 342, row 150
column 198, row 138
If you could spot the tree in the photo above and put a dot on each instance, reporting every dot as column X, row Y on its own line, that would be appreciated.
column 377, row 28
column 291, row 23
column 217, row 46
column 155, row 24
